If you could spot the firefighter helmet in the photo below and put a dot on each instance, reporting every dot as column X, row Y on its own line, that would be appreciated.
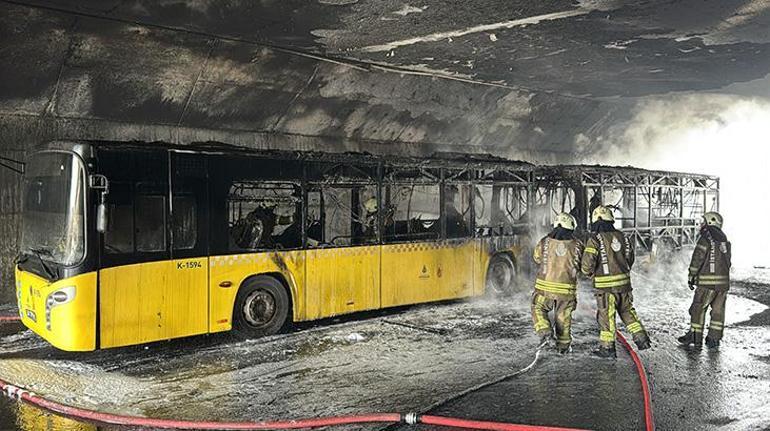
column 370, row 205
column 602, row 213
column 713, row 218
column 565, row 220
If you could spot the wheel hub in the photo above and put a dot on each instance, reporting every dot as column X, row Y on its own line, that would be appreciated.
column 259, row 308
column 501, row 276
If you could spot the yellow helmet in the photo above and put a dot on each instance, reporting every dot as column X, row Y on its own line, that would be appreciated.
column 602, row 213
column 565, row 220
column 370, row 205
column 713, row 218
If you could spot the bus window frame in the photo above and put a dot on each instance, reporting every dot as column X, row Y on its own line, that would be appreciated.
column 318, row 187
column 298, row 187
column 470, row 227
column 519, row 187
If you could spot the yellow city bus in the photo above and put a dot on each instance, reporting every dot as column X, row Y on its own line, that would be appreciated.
column 125, row 244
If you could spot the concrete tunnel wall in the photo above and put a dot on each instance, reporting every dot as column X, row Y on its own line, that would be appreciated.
column 75, row 77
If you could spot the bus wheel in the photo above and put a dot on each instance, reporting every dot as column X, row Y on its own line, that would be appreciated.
column 500, row 275
column 261, row 308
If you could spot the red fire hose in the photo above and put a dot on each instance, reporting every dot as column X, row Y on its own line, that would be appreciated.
column 385, row 418
column 649, row 421
column 389, row 418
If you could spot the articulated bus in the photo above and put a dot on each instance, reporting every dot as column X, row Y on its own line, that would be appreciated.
column 128, row 243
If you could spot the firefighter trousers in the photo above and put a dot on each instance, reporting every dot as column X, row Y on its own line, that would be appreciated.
column 608, row 306
column 701, row 301
column 562, row 306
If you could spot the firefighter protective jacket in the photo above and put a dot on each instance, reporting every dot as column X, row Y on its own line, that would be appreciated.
column 711, row 260
column 608, row 258
column 559, row 263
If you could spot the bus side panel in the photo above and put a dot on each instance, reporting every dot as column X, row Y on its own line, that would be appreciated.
column 153, row 301
column 132, row 303
column 187, row 301
column 72, row 324
column 230, row 271
column 422, row 272
column 456, row 277
column 342, row 280
column 480, row 264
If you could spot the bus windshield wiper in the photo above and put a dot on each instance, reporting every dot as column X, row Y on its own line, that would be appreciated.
column 38, row 252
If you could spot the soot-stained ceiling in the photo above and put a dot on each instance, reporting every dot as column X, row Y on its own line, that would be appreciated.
column 511, row 77
column 591, row 47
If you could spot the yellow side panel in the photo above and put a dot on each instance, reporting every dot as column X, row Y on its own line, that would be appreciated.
column 229, row 272
column 342, row 280
column 73, row 323
column 130, row 303
column 422, row 272
column 187, row 301
column 480, row 262
column 153, row 301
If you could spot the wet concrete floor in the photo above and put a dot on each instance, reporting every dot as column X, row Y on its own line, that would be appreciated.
column 371, row 363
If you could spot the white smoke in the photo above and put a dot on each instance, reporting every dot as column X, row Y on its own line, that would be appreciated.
column 723, row 135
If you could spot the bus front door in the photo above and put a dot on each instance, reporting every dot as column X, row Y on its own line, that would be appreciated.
column 153, row 284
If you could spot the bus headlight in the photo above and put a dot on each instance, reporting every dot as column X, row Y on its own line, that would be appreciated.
column 55, row 299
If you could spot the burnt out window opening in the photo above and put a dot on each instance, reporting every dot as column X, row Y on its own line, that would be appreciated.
column 620, row 199
column 342, row 215
column 500, row 209
column 416, row 212
column 457, row 212
column 550, row 200
column 264, row 215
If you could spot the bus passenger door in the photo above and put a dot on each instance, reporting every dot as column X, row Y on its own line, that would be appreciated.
column 187, row 303
column 154, row 270
column 135, row 257
column 343, row 258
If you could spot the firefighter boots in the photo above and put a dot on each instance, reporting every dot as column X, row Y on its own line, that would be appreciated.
column 605, row 352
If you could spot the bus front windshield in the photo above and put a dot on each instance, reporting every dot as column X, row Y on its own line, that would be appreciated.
column 52, row 212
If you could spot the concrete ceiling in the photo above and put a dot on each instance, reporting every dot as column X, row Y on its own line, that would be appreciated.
column 500, row 75
column 592, row 47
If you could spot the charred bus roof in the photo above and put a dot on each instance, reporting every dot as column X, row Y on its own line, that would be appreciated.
column 589, row 174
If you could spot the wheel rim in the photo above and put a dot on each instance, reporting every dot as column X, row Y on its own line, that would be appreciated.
column 500, row 276
column 259, row 308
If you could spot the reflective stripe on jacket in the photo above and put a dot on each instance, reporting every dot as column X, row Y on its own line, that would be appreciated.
column 608, row 258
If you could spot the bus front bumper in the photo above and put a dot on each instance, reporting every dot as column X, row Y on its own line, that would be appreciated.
column 63, row 312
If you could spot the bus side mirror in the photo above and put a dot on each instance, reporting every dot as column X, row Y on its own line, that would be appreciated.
column 101, row 218
column 100, row 182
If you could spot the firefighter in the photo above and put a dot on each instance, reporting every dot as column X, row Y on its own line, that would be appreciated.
column 608, row 258
column 710, row 272
column 558, row 258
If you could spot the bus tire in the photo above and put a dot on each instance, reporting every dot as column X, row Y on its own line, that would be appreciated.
column 501, row 275
column 261, row 308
